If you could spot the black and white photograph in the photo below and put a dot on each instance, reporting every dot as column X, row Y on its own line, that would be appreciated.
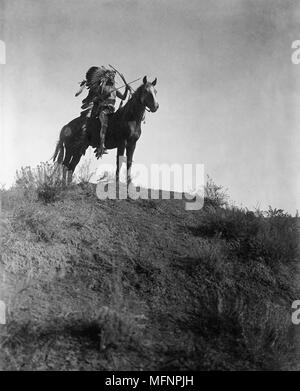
column 149, row 188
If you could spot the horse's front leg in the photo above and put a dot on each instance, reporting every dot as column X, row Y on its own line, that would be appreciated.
column 120, row 154
column 130, row 147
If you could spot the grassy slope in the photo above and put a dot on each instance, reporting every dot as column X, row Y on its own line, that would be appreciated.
column 122, row 284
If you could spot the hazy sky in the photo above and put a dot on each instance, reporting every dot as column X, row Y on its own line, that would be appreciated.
column 227, row 89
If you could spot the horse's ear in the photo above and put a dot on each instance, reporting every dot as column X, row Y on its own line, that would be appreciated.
column 154, row 81
column 145, row 80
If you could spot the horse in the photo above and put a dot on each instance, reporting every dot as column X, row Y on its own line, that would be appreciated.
column 123, row 132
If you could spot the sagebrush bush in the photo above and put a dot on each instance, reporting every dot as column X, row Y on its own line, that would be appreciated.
column 214, row 195
column 45, row 180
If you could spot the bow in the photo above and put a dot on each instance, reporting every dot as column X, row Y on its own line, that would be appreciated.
column 122, row 77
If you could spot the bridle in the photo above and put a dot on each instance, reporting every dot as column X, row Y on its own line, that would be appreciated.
column 146, row 107
column 132, row 91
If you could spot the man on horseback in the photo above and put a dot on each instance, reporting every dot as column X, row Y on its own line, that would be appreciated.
column 106, row 105
column 124, row 130
column 101, row 100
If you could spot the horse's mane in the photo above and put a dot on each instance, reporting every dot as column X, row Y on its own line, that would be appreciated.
column 129, row 106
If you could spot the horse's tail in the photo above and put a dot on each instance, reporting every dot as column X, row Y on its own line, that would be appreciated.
column 59, row 152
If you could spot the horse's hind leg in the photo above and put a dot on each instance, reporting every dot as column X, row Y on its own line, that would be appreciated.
column 75, row 160
column 64, row 174
column 67, row 176
column 66, row 166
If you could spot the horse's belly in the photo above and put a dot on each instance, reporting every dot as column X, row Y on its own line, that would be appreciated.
column 110, row 144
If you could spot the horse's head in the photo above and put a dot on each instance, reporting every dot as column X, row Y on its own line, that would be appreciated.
column 148, row 95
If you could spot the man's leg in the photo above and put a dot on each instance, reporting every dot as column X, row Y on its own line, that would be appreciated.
column 104, row 123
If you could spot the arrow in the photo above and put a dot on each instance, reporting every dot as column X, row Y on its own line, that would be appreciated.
column 126, row 84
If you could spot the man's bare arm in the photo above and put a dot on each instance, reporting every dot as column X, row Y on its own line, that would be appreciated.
column 122, row 96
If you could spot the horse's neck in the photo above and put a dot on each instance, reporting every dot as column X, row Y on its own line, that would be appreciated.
column 136, row 111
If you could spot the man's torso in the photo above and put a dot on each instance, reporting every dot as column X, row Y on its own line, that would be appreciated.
column 108, row 94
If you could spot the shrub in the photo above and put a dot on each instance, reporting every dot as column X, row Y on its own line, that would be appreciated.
column 214, row 195
column 228, row 223
column 271, row 236
column 45, row 180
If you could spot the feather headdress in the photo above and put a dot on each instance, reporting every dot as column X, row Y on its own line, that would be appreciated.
column 94, row 76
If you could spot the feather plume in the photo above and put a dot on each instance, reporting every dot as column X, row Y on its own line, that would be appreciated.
column 82, row 87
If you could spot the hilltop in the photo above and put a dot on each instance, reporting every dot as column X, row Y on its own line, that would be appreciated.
column 143, row 284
